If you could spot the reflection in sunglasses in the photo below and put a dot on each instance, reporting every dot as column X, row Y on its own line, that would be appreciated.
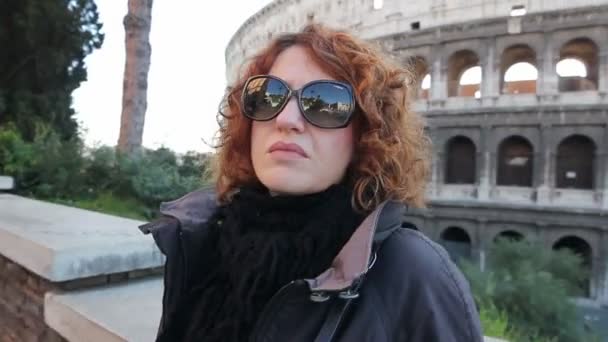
column 255, row 85
column 324, row 103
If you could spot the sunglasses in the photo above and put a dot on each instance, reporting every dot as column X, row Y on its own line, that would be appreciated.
column 323, row 103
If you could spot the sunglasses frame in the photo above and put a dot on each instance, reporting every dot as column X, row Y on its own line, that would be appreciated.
column 298, row 93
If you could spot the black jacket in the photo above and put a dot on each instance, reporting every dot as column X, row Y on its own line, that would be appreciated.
column 389, row 283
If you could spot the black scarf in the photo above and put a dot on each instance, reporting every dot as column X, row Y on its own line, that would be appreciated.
column 260, row 243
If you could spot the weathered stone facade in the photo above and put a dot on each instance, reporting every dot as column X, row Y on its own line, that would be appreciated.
column 507, row 155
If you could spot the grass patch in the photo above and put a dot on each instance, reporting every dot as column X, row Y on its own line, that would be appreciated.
column 495, row 323
column 108, row 203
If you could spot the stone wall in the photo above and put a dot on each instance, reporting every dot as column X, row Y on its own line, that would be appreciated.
column 21, row 305
column 49, row 250
column 22, row 299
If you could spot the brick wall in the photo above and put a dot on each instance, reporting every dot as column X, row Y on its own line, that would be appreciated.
column 21, row 305
column 22, row 300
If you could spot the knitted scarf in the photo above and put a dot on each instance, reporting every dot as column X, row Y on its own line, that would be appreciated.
column 257, row 244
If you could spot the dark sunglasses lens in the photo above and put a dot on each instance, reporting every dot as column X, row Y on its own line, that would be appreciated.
column 327, row 104
column 263, row 97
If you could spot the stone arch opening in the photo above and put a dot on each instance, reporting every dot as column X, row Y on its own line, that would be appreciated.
column 578, row 67
column 515, row 161
column 575, row 163
column 470, row 83
column 464, row 74
column 509, row 235
column 425, row 87
column 518, row 69
column 571, row 67
column 581, row 248
column 457, row 242
column 460, row 161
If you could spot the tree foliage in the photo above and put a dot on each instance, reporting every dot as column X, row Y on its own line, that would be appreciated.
column 532, row 286
column 44, row 44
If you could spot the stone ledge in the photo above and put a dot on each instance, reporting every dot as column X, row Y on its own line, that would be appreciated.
column 125, row 312
column 6, row 183
column 61, row 243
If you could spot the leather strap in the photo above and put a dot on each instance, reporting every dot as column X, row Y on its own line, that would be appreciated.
column 332, row 322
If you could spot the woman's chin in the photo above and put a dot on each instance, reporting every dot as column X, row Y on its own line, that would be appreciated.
column 289, row 184
column 280, row 188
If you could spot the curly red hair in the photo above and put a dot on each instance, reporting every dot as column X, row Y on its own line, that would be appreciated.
column 392, row 155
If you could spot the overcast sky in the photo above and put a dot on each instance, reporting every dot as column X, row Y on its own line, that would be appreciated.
column 186, row 79
column 187, row 72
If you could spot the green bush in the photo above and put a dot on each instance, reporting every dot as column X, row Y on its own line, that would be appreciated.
column 495, row 322
column 46, row 167
column 15, row 154
column 58, row 166
column 102, row 171
column 531, row 286
column 197, row 165
column 159, row 178
column 66, row 172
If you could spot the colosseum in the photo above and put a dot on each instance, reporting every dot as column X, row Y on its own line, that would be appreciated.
column 515, row 95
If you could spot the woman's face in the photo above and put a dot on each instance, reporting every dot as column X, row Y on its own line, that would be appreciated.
column 326, row 152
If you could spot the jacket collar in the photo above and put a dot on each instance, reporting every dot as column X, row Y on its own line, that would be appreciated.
column 357, row 256
column 351, row 263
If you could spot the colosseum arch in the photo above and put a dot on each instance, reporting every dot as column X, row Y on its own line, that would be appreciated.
column 518, row 70
column 575, row 162
column 421, row 72
column 582, row 248
column 515, row 162
column 457, row 242
column 460, row 156
column 425, row 86
column 578, row 65
column 464, row 63
column 511, row 235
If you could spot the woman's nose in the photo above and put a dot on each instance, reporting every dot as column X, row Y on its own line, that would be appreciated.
column 290, row 118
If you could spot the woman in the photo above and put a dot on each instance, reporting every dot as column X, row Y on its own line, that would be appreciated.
column 304, row 237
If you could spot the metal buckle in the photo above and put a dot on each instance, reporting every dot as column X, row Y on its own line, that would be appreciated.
column 319, row 297
column 350, row 294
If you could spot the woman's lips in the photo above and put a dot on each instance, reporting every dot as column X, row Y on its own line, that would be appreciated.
column 287, row 148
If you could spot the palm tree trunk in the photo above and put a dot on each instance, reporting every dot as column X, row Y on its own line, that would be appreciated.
column 135, row 85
